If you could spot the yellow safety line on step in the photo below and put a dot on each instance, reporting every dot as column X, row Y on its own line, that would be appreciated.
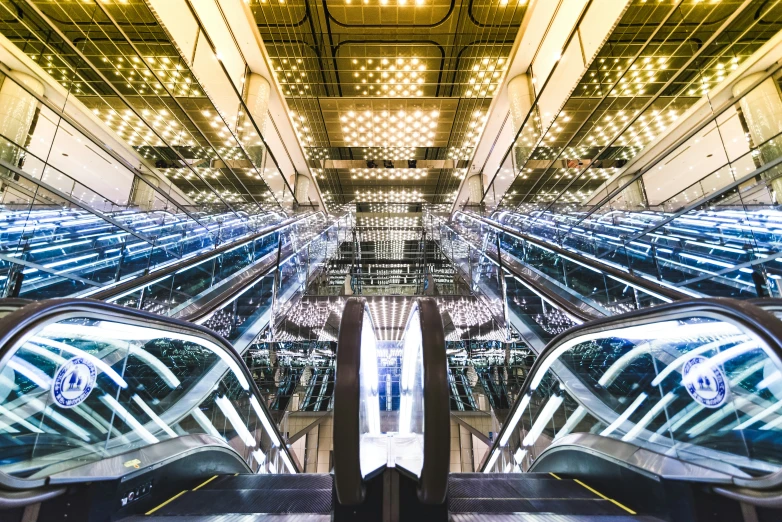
column 204, row 483
column 553, row 475
column 596, row 492
column 166, row 502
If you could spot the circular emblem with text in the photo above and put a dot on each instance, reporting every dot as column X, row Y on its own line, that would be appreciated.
column 705, row 383
column 73, row 382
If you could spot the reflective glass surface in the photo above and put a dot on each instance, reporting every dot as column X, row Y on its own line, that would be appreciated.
column 699, row 388
column 83, row 389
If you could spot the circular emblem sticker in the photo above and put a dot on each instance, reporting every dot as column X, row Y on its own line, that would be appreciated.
column 73, row 382
column 705, row 383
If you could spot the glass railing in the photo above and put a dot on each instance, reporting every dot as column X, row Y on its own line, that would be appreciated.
column 59, row 253
column 696, row 380
column 251, row 305
column 179, row 292
column 711, row 251
column 84, row 381
column 541, row 290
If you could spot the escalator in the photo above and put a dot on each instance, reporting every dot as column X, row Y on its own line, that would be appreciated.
column 670, row 413
column 59, row 253
column 110, row 413
column 719, row 252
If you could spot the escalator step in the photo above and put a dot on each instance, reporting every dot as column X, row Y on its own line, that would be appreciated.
column 546, row 517
column 295, row 517
column 515, row 505
column 298, row 481
column 247, row 501
column 517, row 488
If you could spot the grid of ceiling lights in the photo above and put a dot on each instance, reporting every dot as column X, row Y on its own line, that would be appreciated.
column 391, row 129
column 396, row 174
column 291, row 75
column 133, row 74
column 389, row 208
column 647, row 71
column 389, row 221
column 302, row 129
column 317, row 153
column 567, row 197
column 135, row 131
column 211, row 197
column 390, row 317
column 389, row 77
column 484, row 77
column 645, row 129
column 390, row 196
column 184, row 173
column 380, row 235
column 397, row 153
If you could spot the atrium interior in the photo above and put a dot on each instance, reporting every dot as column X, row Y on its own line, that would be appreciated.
column 393, row 260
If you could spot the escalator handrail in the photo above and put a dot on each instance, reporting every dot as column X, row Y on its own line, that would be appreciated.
column 752, row 318
column 544, row 291
column 633, row 280
column 433, row 483
column 145, row 280
column 15, row 327
column 348, row 482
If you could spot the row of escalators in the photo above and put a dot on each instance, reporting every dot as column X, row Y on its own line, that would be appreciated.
column 666, row 413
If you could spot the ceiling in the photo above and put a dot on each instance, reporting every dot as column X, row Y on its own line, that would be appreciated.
column 394, row 80
column 389, row 97
column 658, row 62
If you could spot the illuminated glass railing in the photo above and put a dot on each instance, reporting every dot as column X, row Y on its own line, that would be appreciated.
column 174, row 290
column 83, row 381
column 365, row 447
column 541, row 290
column 247, row 306
column 699, row 381
column 729, row 252
column 62, row 253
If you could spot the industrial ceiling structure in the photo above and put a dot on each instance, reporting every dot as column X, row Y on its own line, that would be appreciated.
column 392, row 101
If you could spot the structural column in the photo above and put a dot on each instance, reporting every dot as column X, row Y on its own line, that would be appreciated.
column 302, row 188
column 762, row 112
column 520, row 98
column 257, row 101
column 17, row 111
column 475, row 189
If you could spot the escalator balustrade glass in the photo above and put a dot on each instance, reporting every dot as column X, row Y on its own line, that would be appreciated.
column 85, row 385
column 174, row 291
column 695, row 384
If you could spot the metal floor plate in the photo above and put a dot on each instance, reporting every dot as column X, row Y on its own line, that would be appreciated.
column 230, row 518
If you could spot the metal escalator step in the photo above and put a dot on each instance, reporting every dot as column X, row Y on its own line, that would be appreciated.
column 517, row 488
column 295, row 517
column 515, row 505
column 546, row 517
column 552, row 488
column 298, row 481
column 498, row 476
column 477, row 488
column 247, row 501
column 489, row 505
column 577, row 507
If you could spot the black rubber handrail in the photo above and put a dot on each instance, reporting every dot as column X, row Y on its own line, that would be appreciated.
column 433, row 480
column 633, row 280
column 348, row 482
column 433, row 484
column 16, row 327
column 747, row 316
column 142, row 281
